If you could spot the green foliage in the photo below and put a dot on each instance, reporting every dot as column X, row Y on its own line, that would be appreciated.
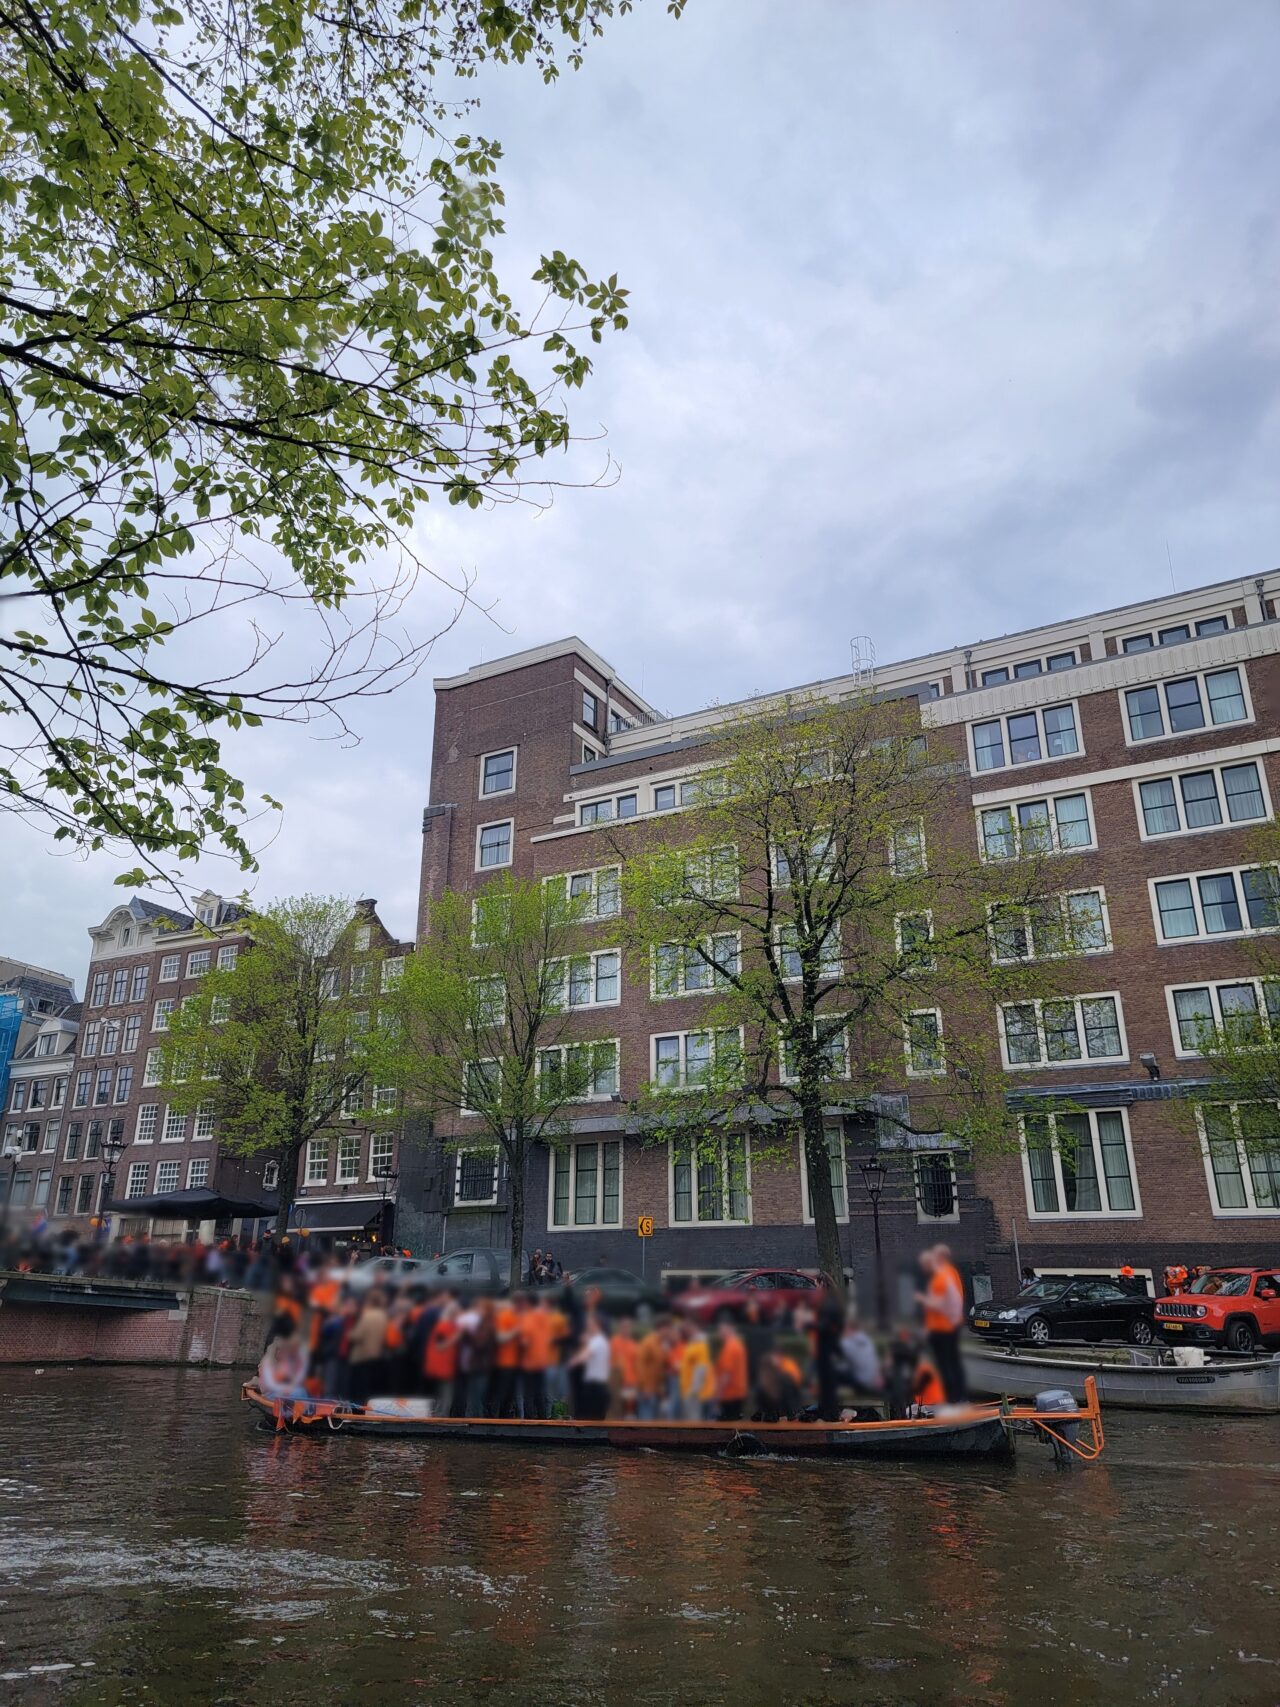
column 250, row 323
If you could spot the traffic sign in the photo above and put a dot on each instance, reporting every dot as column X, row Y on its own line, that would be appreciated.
column 644, row 1227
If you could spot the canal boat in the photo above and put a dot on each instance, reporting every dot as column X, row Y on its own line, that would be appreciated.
column 1135, row 1379
column 955, row 1431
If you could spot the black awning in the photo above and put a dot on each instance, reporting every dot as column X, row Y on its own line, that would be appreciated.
column 351, row 1216
column 197, row 1203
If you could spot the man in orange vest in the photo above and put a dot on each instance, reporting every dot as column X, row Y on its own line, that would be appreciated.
column 943, row 1302
column 731, row 1374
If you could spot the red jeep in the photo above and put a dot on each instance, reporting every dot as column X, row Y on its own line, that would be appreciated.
column 1238, row 1308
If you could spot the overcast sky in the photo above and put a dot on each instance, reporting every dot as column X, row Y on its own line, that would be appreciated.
column 947, row 319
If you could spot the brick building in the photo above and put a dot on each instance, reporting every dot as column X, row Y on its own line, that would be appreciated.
column 1142, row 740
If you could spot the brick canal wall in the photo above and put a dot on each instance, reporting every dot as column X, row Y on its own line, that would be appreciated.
column 209, row 1326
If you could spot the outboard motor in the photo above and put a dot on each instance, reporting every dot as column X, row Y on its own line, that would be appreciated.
column 1058, row 1399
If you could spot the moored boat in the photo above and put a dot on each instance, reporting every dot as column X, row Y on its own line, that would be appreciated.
column 1134, row 1379
column 960, row 1431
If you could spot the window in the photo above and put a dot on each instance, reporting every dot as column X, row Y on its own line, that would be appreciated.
column 710, row 1180
column 831, row 1035
column 130, row 1033
column 923, row 1030
column 590, row 709
column 124, row 1084
column 1059, row 824
column 937, row 1198
column 1137, row 643
column 1189, row 703
column 1027, row 737
column 589, row 754
column 1061, row 660
column 317, row 1170
column 1042, row 1034
column 18, row 1101
column 84, row 1082
column 63, row 1205
column 586, row 1184
column 175, row 1126
column 684, row 1059
column 914, row 936
column 72, row 1151
column 199, row 962
column 198, row 1173
column 384, row 1098
column 483, row 1083
column 1244, row 1010
column 169, row 967
column 493, row 845
column 119, row 985
column 93, row 1138
column 590, row 980
column 995, row 678
column 98, row 990
column 349, row 1148
column 144, row 1131
column 353, row 1098
column 59, row 1092
column 617, row 722
column 359, row 981
column 44, row 1179
column 92, row 1033
column 84, row 1194
column 664, row 797
column 167, row 1176
column 392, row 972
column 1202, row 800
column 713, row 875
column 270, row 1173
column 153, row 1068
column 45, row 1043
column 1073, row 923
column 228, row 954
column 1239, row 902
column 362, row 938
column 1241, row 1145
column 498, row 772
column 39, row 1092
column 684, row 970
column 476, row 1177
column 908, row 856
column 605, row 811
column 206, row 1121
column 836, row 1161
column 220, row 1010
column 138, row 985
column 52, row 1132
column 102, row 1086
column 110, row 1037
column 830, row 959
column 1212, row 625
column 381, row 1155
column 161, row 1011
column 1078, row 1164
column 598, row 892
column 139, row 1173
column 578, row 1072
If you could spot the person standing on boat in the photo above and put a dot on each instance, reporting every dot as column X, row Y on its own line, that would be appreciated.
column 537, row 1354
column 943, row 1301
column 594, row 1359
column 368, row 1349
column 732, row 1386
column 651, row 1371
column 441, row 1362
column 697, row 1379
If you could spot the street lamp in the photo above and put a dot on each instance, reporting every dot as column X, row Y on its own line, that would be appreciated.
column 874, row 1174
column 112, row 1150
column 12, row 1154
column 387, row 1177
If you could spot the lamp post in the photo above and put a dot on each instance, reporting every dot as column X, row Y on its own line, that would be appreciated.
column 12, row 1154
column 388, row 1178
column 112, row 1150
column 873, row 1178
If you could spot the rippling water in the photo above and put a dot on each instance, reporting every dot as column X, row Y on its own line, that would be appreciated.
column 154, row 1546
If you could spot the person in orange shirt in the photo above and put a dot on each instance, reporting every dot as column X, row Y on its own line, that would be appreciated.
column 943, row 1302
column 440, row 1364
column 539, row 1330
column 506, row 1361
column 322, row 1301
column 624, row 1370
column 731, row 1374
column 651, row 1372
column 926, row 1388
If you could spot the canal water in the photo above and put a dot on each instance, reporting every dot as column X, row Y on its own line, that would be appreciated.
column 156, row 1547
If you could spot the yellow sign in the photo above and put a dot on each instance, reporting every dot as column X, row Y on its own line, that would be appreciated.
column 644, row 1227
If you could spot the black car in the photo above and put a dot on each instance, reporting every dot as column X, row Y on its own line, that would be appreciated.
column 1087, row 1308
column 621, row 1292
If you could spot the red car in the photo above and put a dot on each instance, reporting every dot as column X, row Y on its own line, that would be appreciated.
column 774, row 1290
column 1238, row 1308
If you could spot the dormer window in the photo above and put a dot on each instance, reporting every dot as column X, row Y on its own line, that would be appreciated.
column 126, row 936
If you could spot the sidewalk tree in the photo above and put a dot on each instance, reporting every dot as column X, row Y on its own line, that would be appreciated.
column 278, row 1047
column 481, row 1032
column 836, row 917
column 250, row 324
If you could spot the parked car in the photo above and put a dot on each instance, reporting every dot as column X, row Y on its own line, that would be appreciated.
column 480, row 1269
column 620, row 1290
column 1084, row 1308
column 775, row 1291
column 392, row 1272
column 1237, row 1308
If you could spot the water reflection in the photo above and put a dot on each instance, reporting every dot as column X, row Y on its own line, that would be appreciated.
column 159, row 1548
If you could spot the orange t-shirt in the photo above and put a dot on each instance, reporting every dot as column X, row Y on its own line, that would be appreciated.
column 537, row 1339
column 792, row 1368
column 731, row 1369
column 936, row 1318
column 625, row 1358
column 507, row 1321
column 441, row 1362
column 651, row 1365
column 928, row 1388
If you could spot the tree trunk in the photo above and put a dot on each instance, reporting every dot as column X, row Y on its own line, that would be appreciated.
column 516, row 1186
column 288, row 1188
column 818, row 1165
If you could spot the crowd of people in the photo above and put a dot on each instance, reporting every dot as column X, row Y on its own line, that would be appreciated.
column 253, row 1265
column 556, row 1350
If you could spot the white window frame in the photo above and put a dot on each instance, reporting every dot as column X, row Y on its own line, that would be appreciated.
column 270, row 1176
column 171, row 1171
column 497, row 824
column 205, row 1123
column 1217, row 767
column 1051, row 801
column 392, row 972
column 1161, row 684
column 719, row 980
column 197, row 1172
column 1214, row 986
column 714, row 1032
column 482, row 1061
column 571, row 1146
column 923, row 1220
column 1038, row 712
column 1076, row 1062
column 152, row 1125
column 497, row 753
column 199, row 961
column 228, row 954
column 1250, row 1208
column 137, row 1180
column 153, row 1069
column 694, row 1222
column 460, row 1202
column 563, row 1049
column 349, row 1158
column 819, row 858
column 611, row 801
column 1063, row 897
column 316, row 1167
column 786, row 1078
column 914, row 1072
column 1050, row 1215
column 376, row 1141
column 172, row 1116
column 928, row 964
column 835, row 1128
column 594, row 956
column 566, row 879
column 170, row 966
column 1235, row 872
column 161, row 1011
column 896, row 864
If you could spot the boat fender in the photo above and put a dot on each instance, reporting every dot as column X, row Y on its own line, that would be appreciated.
column 745, row 1446
column 1059, row 1399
